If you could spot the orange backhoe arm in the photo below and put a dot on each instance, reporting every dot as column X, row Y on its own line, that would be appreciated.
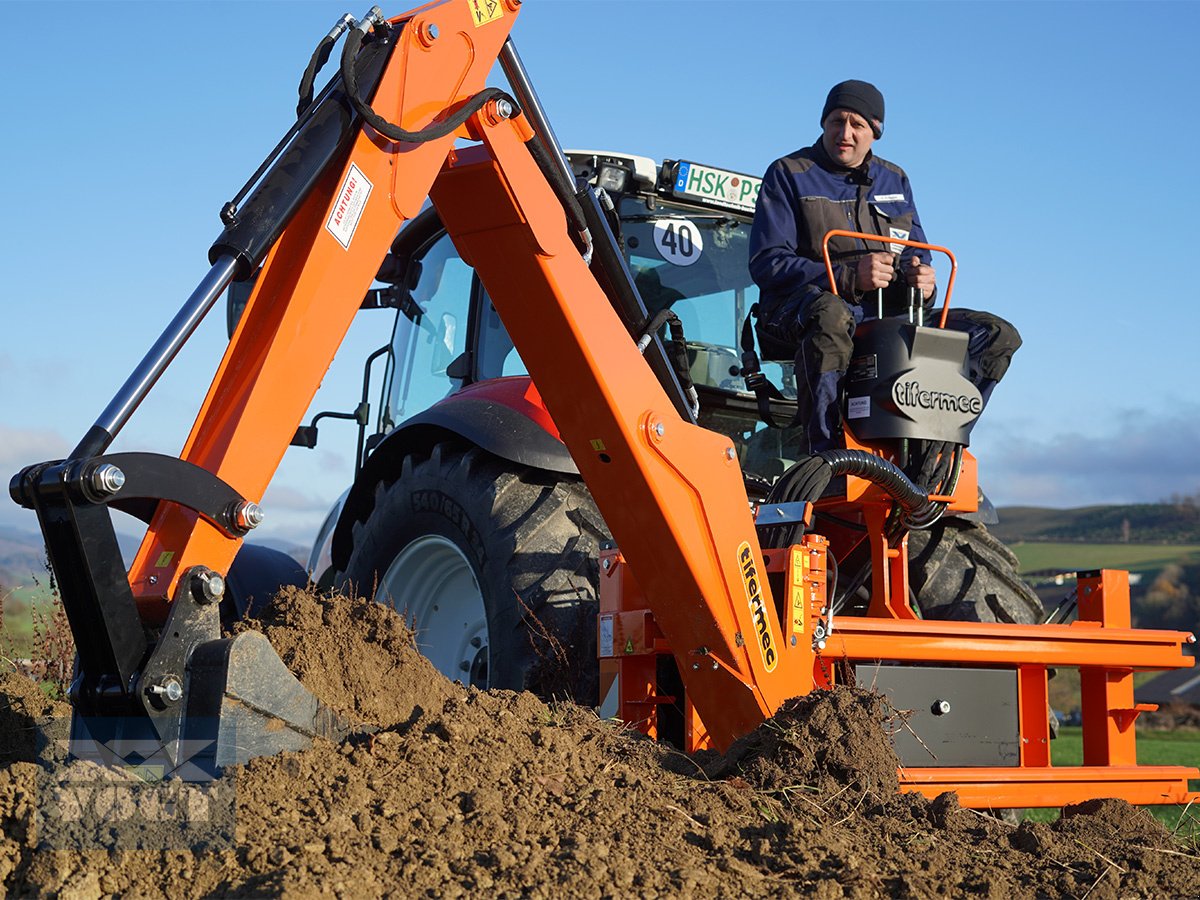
column 671, row 492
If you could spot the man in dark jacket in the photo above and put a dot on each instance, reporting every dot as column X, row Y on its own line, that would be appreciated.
column 838, row 183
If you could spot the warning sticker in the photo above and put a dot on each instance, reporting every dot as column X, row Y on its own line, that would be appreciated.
column 606, row 636
column 484, row 11
column 858, row 407
column 348, row 207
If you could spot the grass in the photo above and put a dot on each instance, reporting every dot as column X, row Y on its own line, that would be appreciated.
column 35, row 637
column 1155, row 748
column 1145, row 558
column 19, row 606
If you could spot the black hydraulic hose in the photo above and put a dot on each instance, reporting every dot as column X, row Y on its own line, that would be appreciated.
column 317, row 62
column 566, row 194
column 563, row 190
column 807, row 479
column 878, row 470
column 448, row 125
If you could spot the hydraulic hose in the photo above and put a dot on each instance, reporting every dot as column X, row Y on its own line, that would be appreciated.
column 807, row 480
column 878, row 470
column 557, row 179
column 448, row 125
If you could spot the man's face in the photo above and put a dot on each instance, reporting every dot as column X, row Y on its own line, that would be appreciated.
column 847, row 137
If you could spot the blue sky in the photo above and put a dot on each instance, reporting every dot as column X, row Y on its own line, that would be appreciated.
column 1050, row 145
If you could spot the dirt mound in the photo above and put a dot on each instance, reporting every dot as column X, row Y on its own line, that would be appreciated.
column 27, row 718
column 495, row 793
column 828, row 741
column 355, row 655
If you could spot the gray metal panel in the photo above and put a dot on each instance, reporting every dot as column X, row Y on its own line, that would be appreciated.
column 980, row 728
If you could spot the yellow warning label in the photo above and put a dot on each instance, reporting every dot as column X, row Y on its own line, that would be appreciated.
column 597, row 445
column 484, row 11
column 799, row 564
column 164, row 559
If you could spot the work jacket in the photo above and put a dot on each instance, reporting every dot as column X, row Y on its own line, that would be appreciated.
column 804, row 195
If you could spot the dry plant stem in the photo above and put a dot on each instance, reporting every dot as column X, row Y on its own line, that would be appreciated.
column 1101, row 855
column 1097, row 881
column 1164, row 850
column 1182, row 815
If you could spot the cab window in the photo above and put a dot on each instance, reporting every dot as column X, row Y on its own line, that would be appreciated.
column 430, row 333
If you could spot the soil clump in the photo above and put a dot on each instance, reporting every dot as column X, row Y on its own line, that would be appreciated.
column 461, row 792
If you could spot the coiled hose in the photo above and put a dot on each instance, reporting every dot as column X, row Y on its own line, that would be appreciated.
column 807, row 480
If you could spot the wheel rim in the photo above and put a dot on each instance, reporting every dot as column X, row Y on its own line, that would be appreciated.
column 433, row 585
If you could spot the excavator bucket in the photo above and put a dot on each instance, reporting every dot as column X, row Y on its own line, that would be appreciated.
column 241, row 702
column 177, row 700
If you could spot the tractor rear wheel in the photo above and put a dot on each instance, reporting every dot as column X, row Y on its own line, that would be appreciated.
column 958, row 570
column 495, row 566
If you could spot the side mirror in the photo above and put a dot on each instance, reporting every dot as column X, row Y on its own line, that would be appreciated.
column 396, row 296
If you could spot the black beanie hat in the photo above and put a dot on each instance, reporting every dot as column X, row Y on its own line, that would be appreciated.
column 859, row 97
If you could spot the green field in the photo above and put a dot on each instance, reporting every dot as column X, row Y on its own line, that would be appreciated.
column 18, row 606
column 1145, row 558
column 1155, row 748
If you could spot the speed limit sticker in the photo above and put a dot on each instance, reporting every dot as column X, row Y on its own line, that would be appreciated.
column 678, row 240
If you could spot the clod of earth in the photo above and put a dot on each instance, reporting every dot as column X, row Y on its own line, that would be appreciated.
column 462, row 792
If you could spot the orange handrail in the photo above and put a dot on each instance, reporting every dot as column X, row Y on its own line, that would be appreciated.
column 890, row 240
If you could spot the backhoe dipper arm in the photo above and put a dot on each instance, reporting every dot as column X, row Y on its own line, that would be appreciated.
column 671, row 492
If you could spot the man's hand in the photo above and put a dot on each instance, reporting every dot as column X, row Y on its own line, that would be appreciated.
column 875, row 270
column 922, row 277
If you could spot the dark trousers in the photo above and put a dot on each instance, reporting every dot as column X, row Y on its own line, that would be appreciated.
column 821, row 328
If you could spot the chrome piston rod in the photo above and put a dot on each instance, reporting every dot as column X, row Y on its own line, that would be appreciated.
column 150, row 369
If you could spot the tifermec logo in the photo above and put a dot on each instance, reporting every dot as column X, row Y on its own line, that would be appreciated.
column 758, row 610
column 911, row 395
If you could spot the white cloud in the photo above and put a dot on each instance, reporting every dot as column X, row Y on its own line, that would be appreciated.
column 1135, row 457
column 20, row 447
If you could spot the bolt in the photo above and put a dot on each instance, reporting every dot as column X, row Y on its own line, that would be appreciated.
column 248, row 516
column 1191, row 639
column 207, row 587
column 607, row 564
column 824, row 609
column 153, row 579
column 169, row 689
column 695, row 665
column 504, row 109
column 431, row 31
column 793, row 640
column 107, row 479
column 465, row 666
column 730, row 454
column 819, row 632
column 660, row 429
column 941, row 707
column 476, row 642
column 820, row 645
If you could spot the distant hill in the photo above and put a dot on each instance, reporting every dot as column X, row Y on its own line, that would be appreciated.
column 1141, row 523
column 23, row 555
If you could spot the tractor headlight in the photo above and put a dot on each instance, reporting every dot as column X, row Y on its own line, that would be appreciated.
column 612, row 178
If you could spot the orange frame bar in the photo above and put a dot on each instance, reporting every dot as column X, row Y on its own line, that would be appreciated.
column 878, row 239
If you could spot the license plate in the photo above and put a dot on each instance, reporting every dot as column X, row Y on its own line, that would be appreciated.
column 718, row 186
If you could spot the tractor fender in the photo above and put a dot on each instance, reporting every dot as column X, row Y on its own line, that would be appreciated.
column 504, row 416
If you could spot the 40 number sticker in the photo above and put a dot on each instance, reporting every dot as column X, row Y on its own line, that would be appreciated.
column 678, row 240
